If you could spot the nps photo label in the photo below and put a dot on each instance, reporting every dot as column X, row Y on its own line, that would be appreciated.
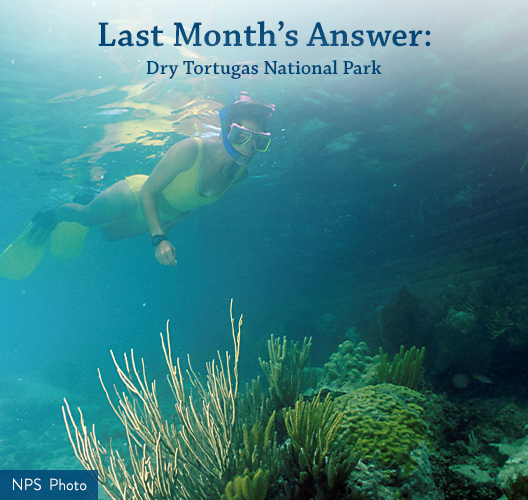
column 48, row 485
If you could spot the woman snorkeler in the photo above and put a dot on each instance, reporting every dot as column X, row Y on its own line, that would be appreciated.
column 192, row 173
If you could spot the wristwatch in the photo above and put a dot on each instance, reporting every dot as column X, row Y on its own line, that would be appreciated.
column 158, row 238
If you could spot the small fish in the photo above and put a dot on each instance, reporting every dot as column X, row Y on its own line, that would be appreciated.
column 483, row 379
column 113, row 112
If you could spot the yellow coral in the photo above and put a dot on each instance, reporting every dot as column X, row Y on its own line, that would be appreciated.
column 383, row 422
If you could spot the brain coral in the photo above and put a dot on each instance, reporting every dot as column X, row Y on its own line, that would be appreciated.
column 385, row 422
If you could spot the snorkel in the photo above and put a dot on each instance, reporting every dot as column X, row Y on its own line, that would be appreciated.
column 240, row 159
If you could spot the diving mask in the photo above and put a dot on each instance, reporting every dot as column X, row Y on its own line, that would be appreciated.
column 240, row 136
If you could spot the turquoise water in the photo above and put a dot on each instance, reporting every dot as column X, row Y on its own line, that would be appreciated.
column 359, row 176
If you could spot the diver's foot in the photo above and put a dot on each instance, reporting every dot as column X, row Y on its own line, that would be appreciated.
column 85, row 196
column 45, row 219
column 43, row 225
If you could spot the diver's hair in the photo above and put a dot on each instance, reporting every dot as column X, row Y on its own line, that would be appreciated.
column 253, row 111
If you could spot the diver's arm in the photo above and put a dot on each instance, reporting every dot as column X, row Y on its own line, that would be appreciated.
column 178, row 158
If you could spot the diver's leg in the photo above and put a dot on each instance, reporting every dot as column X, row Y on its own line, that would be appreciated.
column 117, row 202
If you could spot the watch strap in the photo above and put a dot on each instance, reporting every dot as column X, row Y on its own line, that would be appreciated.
column 158, row 238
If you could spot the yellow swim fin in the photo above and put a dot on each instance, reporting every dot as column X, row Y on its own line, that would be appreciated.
column 67, row 240
column 23, row 256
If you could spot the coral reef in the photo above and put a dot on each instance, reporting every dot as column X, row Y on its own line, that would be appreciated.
column 222, row 443
column 349, row 368
column 474, row 472
column 232, row 442
column 383, row 422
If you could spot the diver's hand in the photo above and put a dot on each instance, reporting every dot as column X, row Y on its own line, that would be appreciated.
column 166, row 254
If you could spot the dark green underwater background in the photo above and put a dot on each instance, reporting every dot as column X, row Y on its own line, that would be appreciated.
column 413, row 177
